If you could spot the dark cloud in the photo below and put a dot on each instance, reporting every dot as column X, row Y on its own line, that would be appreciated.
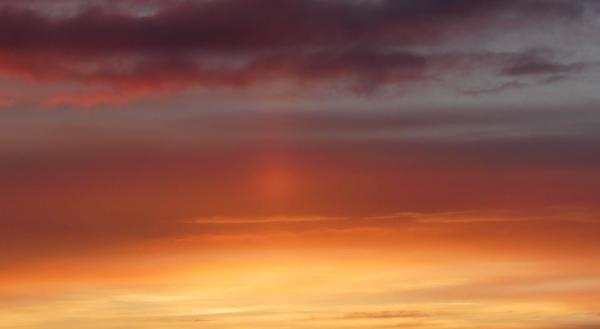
column 536, row 66
column 234, row 25
column 497, row 89
column 234, row 43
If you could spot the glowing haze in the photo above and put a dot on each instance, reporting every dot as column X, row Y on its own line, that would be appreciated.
column 256, row 164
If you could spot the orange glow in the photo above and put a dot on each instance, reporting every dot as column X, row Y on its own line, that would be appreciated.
column 299, row 164
column 276, row 179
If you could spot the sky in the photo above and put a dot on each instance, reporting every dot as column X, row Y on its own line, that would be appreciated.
column 299, row 164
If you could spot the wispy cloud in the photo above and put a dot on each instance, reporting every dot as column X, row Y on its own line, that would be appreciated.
column 386, row 314
column 264, row 220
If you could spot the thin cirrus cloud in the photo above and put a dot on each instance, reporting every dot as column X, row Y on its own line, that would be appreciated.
column 386, row 315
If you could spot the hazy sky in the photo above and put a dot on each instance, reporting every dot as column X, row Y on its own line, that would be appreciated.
column 299, row 164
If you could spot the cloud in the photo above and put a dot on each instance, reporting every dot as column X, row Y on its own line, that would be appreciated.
column 531, row 65
column 575, row 326
column 117, row 180
column 265, row 220
column 386, row 315
column 235, row 25
column 136, row 49
column 93, row 99
column 497, row 89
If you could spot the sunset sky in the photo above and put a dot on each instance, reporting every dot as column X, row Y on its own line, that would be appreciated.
column 299, row 164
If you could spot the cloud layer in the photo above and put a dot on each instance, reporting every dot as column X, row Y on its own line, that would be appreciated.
column 135, row 50
column 259, row 164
